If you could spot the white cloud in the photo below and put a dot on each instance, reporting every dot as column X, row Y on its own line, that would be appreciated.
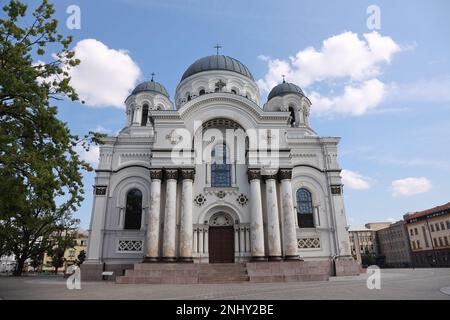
column 354, row 180
column 342, row 58
column 101, row 129
column 410, row 186
column 429, row 90
column 105, row 76
column 92, row 156
column 356, row 100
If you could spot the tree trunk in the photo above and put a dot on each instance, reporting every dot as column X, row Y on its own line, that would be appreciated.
column 56, row 270
column 19, row 267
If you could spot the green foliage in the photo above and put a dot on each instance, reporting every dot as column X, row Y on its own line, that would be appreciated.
column 40, row 171
column 368, row 258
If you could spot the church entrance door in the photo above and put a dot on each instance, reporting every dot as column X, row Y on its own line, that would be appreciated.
column 221, row 244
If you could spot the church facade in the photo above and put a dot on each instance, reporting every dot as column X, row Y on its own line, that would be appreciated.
column 216, row 176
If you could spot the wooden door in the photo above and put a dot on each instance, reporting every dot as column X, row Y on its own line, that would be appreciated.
column 221, row 244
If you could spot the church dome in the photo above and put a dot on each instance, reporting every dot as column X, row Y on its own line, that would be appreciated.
column 283, row 89
column 217, row 62
column 151, row 86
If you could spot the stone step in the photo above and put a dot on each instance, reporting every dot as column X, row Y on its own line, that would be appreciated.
column 160, row 273
column 188, row 273
column 291, row 278
column 165, row 266
column 156, row 280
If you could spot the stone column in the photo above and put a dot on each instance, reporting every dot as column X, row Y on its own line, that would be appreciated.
column 153, row 225
column 171, row 176
column 290, row 247
column 247, row 239
column 273, row 221
column 236, row 240
column 187, row 175
column 256, row 224
column 195, row 240
column 242, row 239
column 95, row 241
column 200, row 240
column 206, row 239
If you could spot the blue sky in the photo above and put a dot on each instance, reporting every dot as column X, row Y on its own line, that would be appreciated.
column 403, row 134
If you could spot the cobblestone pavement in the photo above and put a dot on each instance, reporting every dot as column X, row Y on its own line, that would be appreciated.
column 395, row 284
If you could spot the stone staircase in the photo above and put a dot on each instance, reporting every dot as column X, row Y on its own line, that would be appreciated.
column 189, row 273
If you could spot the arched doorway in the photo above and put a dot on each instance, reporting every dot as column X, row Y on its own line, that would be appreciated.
column 221, row 238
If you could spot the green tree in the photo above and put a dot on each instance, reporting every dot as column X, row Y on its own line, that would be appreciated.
column 62, row 240
column 40, row 171
column 368, row 258
column 36, row 261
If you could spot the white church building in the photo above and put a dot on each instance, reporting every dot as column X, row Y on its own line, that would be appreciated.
column 216, row 176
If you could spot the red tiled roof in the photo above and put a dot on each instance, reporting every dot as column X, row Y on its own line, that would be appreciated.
column 428, row 211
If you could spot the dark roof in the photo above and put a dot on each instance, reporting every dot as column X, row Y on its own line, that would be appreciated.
column 284, row 88
column 427, row 212
column 151, row 86
column 217, row 62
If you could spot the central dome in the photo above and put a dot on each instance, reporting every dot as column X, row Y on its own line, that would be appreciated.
column 217, row 62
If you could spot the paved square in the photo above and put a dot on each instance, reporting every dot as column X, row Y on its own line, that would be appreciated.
column 395, row 284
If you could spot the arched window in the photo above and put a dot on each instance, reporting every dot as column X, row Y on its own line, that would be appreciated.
column 133, row 211
column 233, row 91
column 220, row 166
column 305, row 209
column 144, row 115
column 201, row 92
column 292, row 111
column 188, row 96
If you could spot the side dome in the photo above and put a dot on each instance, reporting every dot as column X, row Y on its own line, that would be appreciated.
column 283, row 89
column 151, row 86
column 217, row 62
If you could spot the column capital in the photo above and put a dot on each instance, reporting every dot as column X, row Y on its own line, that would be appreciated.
column 156, row 174
column 171, row 174
column 254, row 174
column 284, row 174
column 187, row 174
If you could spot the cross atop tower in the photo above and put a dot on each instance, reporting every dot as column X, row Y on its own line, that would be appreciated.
column 152, row 74
column 217, row 47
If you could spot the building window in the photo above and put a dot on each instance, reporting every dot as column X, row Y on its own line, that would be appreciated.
column 437, row 227
column 220, row 166
column 448, row 224
column 435, row 242
column 133, row 212
column 441, row 244
column 415, row 231
column 292, row 116
column 411, row 232
column 418, row 244
column 432, row 228
column 413, row 244
column 442, row 225
column 304, row 209
column 446, row 241
column 201, row 92
column 144, row 115
column 425, row 237
column 233, row 91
